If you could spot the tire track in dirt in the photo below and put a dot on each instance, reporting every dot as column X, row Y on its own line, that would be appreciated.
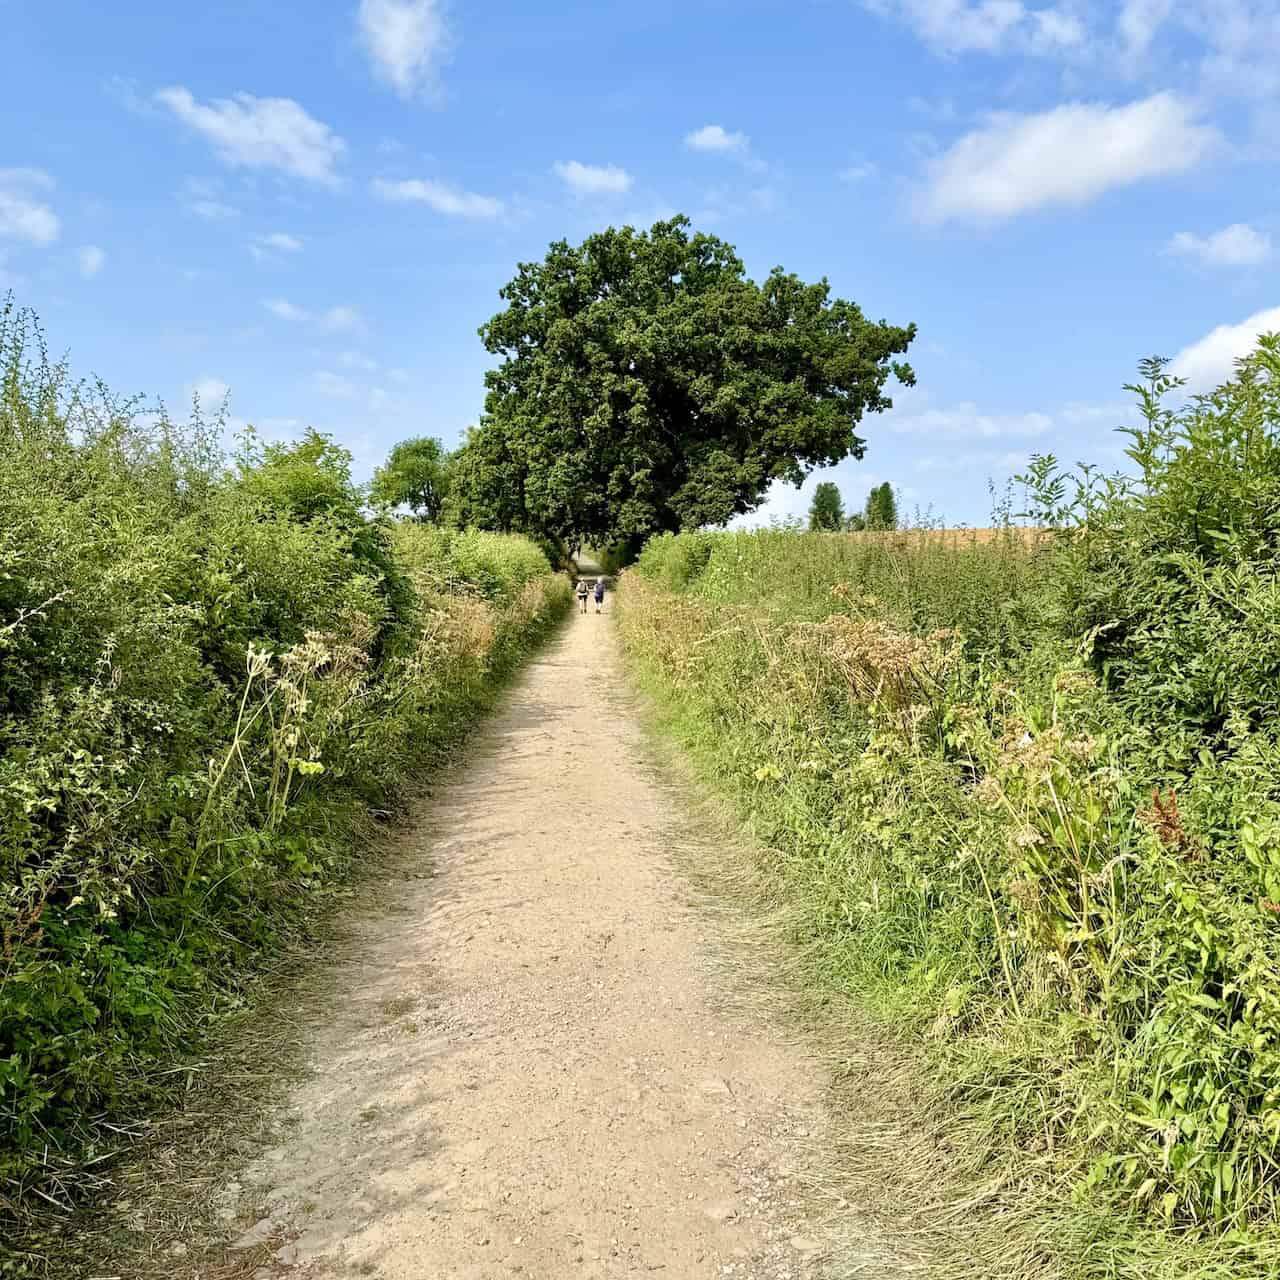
column 528, row 1067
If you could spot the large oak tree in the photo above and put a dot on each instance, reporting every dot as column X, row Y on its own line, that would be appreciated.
column 646, row 384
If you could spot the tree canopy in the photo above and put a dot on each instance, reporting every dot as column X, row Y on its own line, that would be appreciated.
column 882, row 508
column 827, row 509
column 646, row 385
column 416, row 476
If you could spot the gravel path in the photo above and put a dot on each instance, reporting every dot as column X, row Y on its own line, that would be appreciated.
column 530, row 1067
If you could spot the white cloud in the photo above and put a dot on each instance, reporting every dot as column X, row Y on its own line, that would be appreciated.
column 1066, row 156
column 1238, row 245
column 334, row 385
column 261, row 133
column 1210, row 361
column 406, row 41
column 1242, row 45
column 266, row 246
column 285, row 309
column 1054, row 31
column 357, row 360
column 23, row 212
column 985, row 26
column 714, row 137
column 964, row 421
column 592, row 180
column 439, row 196
column 91, row 259
column 1220, row 49
column 211, row 392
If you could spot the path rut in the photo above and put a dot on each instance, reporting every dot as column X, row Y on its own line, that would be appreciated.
column 528, row 1066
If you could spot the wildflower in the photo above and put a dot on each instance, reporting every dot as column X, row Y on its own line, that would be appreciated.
column 988, row 793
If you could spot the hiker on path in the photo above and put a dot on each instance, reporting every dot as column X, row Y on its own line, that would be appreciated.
column 582, row 594
column 599, row 594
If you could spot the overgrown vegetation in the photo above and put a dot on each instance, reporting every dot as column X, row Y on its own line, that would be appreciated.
column 1026, row 791
column 212, row 671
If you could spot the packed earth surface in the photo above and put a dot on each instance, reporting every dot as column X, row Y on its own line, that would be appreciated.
column 545, row 1060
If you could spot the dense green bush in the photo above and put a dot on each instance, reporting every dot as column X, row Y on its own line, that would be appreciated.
column 210, row 670
column 1027, row 791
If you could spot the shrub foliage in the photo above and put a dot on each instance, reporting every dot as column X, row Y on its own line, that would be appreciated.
column 210, row 671
column 1027, row 790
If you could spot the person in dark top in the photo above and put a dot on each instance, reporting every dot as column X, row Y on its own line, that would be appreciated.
column 599, row 594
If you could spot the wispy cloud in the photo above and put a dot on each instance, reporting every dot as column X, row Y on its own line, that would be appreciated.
column 858, row 172
column 997, row 462
column 285, row 309
column 593, row 180
column 274, row 134
column 1238, row 245
column 24, row 215
column 91, row 259
column 965, row 421
column 267, row 246
column 338, row 319
column 987, row 26
column 342, row 320
column 333, row 384
column 406, row 41
column 440, row 196
column 206, row 200
column 1069, row 155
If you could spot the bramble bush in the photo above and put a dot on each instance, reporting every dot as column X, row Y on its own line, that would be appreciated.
column 1026, row 791
column 211, row 670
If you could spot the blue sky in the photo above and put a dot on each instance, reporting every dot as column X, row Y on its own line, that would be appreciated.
column 314, row 205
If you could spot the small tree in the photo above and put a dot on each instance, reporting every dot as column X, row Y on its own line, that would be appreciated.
column 827, row 511
column 416, row 475
column 882, row 508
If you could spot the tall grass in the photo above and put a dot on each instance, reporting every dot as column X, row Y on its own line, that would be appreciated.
column 212, row 670
column 1025, row 791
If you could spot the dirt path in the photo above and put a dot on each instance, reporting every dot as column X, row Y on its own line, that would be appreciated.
column 530, row 1069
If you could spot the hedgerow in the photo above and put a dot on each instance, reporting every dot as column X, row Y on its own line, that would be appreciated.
column 211, row 671
column 1025, row 793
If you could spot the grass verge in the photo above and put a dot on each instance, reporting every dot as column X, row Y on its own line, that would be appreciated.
column 151, row 1209
column 989, row 1071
